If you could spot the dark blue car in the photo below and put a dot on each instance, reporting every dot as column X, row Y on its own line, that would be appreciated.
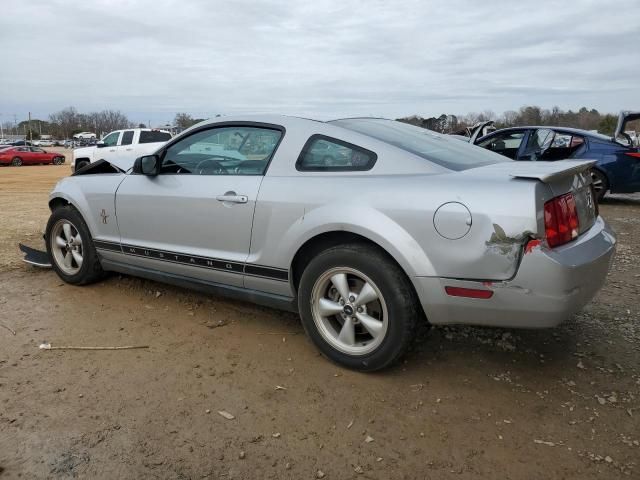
column 618, row 158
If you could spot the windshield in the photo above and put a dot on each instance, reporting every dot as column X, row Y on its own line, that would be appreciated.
column 440, row 149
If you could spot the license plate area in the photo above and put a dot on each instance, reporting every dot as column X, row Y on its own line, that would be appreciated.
column 586, row 206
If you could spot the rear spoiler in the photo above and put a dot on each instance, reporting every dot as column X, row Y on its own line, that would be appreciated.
column 550, row 173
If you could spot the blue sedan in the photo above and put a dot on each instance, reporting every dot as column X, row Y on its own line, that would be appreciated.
column 618, row 160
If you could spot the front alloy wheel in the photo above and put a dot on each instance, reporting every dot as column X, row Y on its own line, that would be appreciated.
column 66, row 246
column 70, row 247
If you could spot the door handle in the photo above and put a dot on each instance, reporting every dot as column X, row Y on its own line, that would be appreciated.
column 112, row 150
column 232, row 198
column 129, row 149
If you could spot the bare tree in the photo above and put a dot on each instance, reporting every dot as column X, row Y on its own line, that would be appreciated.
column 65, row 122
column 68, row 121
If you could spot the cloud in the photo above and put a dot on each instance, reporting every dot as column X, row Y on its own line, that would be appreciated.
column 323, row 59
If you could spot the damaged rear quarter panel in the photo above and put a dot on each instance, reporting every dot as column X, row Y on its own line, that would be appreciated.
column 505, row 216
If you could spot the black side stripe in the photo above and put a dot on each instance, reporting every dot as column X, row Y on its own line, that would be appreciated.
column 268, row 272
column 101, row 244
column 197, row 261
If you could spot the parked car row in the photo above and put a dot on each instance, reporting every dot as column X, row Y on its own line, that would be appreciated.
column 617, row 167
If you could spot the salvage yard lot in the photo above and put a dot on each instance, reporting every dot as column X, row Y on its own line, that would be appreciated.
column 467, row 402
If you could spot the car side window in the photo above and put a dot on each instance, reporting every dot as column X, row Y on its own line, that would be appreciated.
column 240, row 150
column 153, row 136
column 111, row 140
column 127, row 138
column 326, row 154
column 507, row 143
column 563, row 145
column 36, row 150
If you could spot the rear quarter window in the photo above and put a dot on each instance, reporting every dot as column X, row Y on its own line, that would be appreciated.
column 153, row 137
column 326, row 154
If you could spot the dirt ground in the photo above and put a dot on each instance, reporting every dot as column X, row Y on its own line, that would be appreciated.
column 466, row 403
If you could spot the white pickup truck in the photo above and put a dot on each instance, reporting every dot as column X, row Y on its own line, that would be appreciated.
column 121, row 147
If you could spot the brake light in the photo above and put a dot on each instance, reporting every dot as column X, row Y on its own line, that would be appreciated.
column 561, row 220
column 633, row 154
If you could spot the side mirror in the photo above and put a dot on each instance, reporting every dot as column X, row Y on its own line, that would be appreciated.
column 100, row 144
column 147, row 165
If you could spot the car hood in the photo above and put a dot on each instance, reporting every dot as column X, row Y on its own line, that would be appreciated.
column 123, row 164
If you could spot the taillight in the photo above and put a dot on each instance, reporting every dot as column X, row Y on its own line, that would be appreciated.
column 633, row 154
column 561, row 220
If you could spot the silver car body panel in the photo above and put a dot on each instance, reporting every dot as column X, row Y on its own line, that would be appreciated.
column 180, row 226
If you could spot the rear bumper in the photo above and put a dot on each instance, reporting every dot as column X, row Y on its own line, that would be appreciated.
column 549, row 287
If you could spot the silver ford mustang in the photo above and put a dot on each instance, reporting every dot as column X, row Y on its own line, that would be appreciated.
column 364, row 226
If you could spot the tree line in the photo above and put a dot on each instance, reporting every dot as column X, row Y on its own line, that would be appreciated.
column 527, row 115
column 67, row 122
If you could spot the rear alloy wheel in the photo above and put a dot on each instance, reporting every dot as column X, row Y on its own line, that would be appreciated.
column 70, row 247
column 600, row 184
column 57, row 160
column 16, row 162
column 358, row 307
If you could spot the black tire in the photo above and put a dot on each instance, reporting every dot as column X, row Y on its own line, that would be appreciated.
column 81, row 164
column 16, row 162
column 90, row 271
column 57, row 160
column 402, row 305
column 600, row 184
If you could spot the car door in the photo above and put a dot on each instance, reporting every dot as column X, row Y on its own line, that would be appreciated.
column 194, row 218
column 108, row 148
column 38, row 155
column 28, row 158
column 125, row 144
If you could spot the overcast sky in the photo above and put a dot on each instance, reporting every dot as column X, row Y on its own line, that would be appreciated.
column 319, row 58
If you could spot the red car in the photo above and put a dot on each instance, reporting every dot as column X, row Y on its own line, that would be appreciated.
column 18, row 156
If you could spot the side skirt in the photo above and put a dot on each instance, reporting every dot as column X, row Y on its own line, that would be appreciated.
column 254, row 296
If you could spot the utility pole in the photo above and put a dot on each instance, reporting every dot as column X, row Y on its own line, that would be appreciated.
column 30, row 132
column 1, row 130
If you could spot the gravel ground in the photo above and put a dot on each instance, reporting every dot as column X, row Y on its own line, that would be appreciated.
column 466, row 403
